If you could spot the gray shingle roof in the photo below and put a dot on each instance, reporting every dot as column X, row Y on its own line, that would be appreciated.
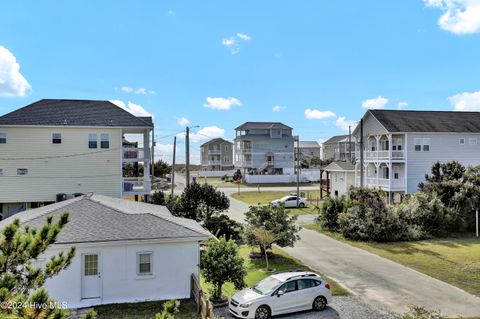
column 345, row 166
column 74, row 113
column 308, row 144
column 428, row 121
column 335, row 139
column 216, row 140
column 261, row 126
column 100, row 218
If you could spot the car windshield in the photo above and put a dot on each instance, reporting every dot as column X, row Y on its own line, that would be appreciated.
column 267, row 285
column 284, row 198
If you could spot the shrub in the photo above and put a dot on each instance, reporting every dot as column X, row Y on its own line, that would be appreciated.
column 222, row 225
column 420, row 313
column 158, row 198
column 329, row 211
column 237, row 175
column 169, row 310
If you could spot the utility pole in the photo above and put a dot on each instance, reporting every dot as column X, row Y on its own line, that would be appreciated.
column 361, row 153
column 187, row 156
column 298, row 170
column 476, row 217
column 173, row 164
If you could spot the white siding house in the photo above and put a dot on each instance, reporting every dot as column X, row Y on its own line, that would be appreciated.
column 125, row 251
column 342, row 177
column 401, row 146
column 67, row 147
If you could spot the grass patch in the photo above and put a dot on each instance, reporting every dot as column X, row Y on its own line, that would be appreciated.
column 144, row 310
column 261, row 198
column 452, row 260
column 217, row 182
column 280, row 260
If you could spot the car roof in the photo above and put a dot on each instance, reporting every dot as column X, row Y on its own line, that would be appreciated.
column 295, row 274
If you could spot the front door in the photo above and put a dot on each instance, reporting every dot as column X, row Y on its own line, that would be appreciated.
column 91, row 277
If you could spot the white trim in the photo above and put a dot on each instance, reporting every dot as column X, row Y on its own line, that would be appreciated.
column 131, row 242
column 80, row 126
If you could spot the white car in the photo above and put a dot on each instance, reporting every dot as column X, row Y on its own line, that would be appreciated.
column 280, row 294
column 290, row 201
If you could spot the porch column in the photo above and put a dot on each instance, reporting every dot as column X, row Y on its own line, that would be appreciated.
column 146, row 150
column 377, row 148
column 377, row 166
column 390, row 166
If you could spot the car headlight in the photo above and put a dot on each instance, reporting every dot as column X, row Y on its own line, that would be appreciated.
column 245, row 305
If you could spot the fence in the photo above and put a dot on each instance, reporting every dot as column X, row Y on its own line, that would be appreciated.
column 215, row 173
column 204, row 306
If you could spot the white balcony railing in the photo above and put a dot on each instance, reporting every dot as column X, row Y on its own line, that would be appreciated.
column 131, row 154
column 243, row 163
column 214, row 162
column 214, row 152
column 382, row 182
column 136, row 186
column 381, row 155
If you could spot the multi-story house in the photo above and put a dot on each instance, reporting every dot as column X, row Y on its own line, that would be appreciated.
column 400, row 146
column 307, row 149
column 52, row 149
column 338, row 148
column 217, row 155
column 264, row 148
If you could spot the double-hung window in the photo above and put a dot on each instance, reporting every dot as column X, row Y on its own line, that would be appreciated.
column 104, row 140
column 56, row 138
column 22, row 171
column 92, row 140
column 426, row 144
column 422, row 144
column 144, row 263
column 3, row 138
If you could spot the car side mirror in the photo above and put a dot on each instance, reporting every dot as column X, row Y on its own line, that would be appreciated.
column 280, row 293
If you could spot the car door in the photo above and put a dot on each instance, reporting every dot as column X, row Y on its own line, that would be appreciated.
column 288, row 301
column 307, row 292
column 291, row 202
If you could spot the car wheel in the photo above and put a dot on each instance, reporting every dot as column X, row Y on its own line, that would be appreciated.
column 319, row 303
column 262, row 312
column 301, row 205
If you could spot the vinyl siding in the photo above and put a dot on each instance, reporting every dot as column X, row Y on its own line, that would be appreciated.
column 49, row 176
column 443, row 147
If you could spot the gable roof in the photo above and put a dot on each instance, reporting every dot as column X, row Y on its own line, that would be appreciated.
column 335, row 139
column 57, row 112
column 261, row 126
column 308, row 144
column 428, row 121
column 216, row 140
column 340, row 166
column 98, row 218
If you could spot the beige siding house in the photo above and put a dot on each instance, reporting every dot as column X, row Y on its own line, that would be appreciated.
column 342, row 177
column 217, row 155
column 67, row 148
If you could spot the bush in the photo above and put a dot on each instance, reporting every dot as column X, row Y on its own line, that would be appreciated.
column 158, row 198
column 420, row 313
column 222, row 225
column 237, row 175
column 329, row 211
column 169, row 310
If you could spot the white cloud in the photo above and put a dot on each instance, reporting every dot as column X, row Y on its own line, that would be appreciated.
column 233, row 42
column 133, row 108
column 343, row 124
column 142, row 90
column 314, row 114
column 220, row 103
column 171, row 12
column 12, row 82
column 126, row 89
column 183, row 121
column 204, row 134
column 466, row 101
column 375, row 103
column 459, row 16
column 402, row 104
column 278, row 108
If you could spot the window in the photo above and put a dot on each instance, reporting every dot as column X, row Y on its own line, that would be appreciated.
column 395, row 172
column 461, row 141
column 226, row 148
column 418, row 144
column 226, row 159
column 56, row 138
column 422, row 144
column 92, row 140
column 288, row 287
column 144, row 261
column 305, row 283
column 1, row 171
column 22, row 171
column 472, row 141
column 3, row 138
column 90, row 265
column 426, row 144
column 104, row 140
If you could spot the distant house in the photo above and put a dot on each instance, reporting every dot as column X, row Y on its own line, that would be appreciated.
column 264, row 148
column 65, row 147
column 342, row 177
column 217, row 155
column 338, row 148
column 125, row 251
column 307, row 149
column 400, row 146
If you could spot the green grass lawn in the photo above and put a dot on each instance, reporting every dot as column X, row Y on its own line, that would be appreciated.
column 144, row 310
column 265, row 197
column 452, row 260
column 280, row 261
column 217, row 182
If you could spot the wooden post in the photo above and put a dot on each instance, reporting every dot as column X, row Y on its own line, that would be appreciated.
column 476, row 215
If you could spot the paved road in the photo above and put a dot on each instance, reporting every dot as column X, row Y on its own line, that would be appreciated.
column 376, row 280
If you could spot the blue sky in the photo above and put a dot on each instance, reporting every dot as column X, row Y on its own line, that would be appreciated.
column 220, row 63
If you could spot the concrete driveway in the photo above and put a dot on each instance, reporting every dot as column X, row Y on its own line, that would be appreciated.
column 376, row 280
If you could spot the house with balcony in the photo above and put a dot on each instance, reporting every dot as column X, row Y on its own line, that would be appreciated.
column 54, row 149
column 265, row 148
column 216, row 157
column 338, row 148
column 307, row 149
column 400, row 146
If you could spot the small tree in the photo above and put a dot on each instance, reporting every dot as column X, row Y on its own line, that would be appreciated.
column 20, row 280
column 158, row 198
column 170, row 309
column 467, row 199
column 161, row 168
column 222, row 263
column 329, row 211
column 315, row 161
column 222, row 225
column 275, row 220
column 265, row 239
column 237, row 175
